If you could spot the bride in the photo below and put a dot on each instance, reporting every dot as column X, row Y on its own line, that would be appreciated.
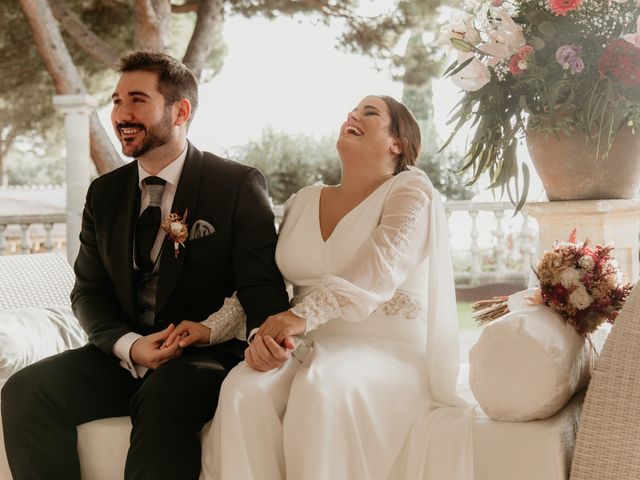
column 357, row 379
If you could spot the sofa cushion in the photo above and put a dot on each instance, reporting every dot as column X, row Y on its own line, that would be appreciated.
column 527, row 364
column 31, row 334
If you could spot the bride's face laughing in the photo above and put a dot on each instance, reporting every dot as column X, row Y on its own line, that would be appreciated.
column 366, row 133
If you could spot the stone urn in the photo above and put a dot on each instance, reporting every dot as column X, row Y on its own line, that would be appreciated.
column 571, row 168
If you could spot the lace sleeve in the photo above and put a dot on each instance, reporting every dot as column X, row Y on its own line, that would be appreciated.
column 382, row 263
column 228, row 322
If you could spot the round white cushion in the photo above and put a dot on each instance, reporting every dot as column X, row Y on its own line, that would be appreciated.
column 527, row 364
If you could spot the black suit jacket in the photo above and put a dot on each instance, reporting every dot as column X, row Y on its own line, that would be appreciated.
column 238, row 256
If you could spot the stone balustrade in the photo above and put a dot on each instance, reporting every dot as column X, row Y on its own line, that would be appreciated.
column 485, row 247
column 488, row 251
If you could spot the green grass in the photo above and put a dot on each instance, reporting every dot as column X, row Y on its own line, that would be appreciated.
column 465, row 322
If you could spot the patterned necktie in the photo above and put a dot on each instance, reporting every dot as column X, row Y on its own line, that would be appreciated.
column 149, row 223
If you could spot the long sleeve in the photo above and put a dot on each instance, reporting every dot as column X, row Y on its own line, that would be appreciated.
column 228, row 322
column 93, row 297
column 258, row 281
column 382, row 263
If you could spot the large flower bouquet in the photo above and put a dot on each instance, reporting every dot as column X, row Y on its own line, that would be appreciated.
column 579, row 282
column 548, row 65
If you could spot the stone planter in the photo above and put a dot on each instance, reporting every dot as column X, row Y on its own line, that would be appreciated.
column 570, row 169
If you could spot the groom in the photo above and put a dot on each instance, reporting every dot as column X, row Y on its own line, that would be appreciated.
column 134, row 282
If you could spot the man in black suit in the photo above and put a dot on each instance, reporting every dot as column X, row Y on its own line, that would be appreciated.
column 135, row 281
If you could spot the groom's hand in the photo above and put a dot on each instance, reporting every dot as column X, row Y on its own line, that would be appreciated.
column 264, row 354
column 148, row 352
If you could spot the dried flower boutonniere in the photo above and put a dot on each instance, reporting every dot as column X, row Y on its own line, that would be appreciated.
column 176, row 229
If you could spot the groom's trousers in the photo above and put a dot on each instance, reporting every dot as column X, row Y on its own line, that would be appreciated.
column 42, row 404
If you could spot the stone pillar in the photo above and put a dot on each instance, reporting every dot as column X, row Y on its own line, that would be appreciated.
column 76, row 109
column 601, row 221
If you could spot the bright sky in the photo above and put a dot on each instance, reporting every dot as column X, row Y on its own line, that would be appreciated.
column 286, row 75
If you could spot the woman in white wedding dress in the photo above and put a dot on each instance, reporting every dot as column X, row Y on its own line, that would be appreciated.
column 368, row 390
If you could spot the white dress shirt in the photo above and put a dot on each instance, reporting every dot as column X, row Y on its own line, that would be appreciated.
column 170, row 174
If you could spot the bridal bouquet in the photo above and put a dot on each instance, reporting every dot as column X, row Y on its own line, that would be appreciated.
column 579, row 282
column 547, row 65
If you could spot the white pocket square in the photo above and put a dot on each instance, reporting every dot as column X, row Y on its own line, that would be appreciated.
column 201, row 229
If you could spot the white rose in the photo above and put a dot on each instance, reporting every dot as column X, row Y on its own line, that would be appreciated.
column 580, row 298
column 176, row 228
column 569, row 277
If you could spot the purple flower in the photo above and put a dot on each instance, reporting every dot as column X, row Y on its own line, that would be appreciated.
column 565, row 55
column 577, row 65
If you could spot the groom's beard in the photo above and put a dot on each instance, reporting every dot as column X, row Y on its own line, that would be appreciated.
column 155, row 136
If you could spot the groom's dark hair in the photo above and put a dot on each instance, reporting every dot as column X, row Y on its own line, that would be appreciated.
column 175, row 80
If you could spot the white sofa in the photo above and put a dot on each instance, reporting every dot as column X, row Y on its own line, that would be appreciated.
column 534, row 450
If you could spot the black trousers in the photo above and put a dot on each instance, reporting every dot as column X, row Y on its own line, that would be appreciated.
column 43, row 403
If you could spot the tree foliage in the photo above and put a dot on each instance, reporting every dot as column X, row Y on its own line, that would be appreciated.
column 290, row 162
column 96, row 33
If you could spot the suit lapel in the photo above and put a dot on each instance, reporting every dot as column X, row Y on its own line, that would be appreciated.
column 122, row 243
column 186, row 198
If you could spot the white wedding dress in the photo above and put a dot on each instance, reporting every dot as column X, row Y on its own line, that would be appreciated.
column 369, row 393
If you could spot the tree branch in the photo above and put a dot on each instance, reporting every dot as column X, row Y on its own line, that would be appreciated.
column 210, row 16
column 187, row 7
column 58, row 62
column 153, row 25
column 83, row 36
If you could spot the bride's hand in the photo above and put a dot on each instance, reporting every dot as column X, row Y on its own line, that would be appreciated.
column 264, row 354
column 283, row 325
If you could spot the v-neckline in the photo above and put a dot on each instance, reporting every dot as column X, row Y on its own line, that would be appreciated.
column 363, row 201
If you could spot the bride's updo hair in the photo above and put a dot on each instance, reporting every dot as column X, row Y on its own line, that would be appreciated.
column 405, row 127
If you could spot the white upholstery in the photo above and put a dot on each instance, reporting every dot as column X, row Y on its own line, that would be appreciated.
column 38, row 280
column 31, row 334
column 502, row 450
column 527, row 364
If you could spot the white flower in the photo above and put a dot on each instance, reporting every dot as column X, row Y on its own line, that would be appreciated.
column 472, row 77
column 569, row 277
column 586, row 263
column 463, row 30
column 176, row 228
column 580, row 298
column 503, row 42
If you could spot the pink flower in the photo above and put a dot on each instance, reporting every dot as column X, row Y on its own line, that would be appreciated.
column 497, row 3
column 525, row 51
column 561, row 7
column 514, row 65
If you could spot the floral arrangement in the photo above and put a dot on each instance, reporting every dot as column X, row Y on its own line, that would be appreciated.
column 175, row 228
column 579, row 282
column 548, row 65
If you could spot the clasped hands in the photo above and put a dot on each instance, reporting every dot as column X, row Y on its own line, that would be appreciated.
column 270, row 348
column 158, row 348
column 272, row 344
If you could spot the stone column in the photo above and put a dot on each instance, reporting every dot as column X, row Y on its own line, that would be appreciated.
column 601, row 221
column 76, row 109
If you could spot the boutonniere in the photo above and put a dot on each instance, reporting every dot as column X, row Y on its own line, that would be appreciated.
column 176, row 229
